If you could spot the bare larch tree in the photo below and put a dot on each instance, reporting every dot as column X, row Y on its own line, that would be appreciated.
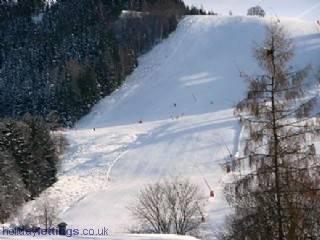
column 279, row 198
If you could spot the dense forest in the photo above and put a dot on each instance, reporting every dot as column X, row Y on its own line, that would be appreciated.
column 28, row 162
column 58, row 63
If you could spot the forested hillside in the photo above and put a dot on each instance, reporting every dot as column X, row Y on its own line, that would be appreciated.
column 28, row 162
column 58, row 60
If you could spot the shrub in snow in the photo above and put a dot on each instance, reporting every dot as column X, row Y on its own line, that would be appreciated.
column 44, row 214
column 47, row 212
column 169, row 207
column 256, row 11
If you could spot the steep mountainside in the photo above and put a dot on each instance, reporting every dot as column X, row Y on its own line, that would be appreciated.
column 172, row 117
column 58, row 63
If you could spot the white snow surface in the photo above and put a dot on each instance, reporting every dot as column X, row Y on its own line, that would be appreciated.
column 114, row 237
column 183, row 91
column 307, row 9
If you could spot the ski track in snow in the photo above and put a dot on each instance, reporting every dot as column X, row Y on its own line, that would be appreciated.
column 196, row 68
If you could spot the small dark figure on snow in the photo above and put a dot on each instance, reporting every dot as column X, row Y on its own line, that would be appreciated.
column 62, row 228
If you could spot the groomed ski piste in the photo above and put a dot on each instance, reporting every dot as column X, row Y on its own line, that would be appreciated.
column 173, row 117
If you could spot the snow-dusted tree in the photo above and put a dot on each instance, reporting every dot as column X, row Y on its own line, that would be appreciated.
column 169, row 207
column 47, row 212
column 44, row 213
column 151, row 209
column 33, row 152
column 186, row 206
column 256, row 11
column 280, row 197
column 12, row 191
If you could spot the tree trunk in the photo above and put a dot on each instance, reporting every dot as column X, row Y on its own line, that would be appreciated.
column 276, row 145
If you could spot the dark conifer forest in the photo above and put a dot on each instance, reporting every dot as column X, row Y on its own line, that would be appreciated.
column 59, row 59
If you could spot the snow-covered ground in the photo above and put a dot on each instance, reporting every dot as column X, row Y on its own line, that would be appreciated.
column 183, row 92
column 306, row 10
column 115, row 237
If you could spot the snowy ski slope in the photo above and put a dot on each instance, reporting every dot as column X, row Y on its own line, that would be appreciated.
column 183, row 92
